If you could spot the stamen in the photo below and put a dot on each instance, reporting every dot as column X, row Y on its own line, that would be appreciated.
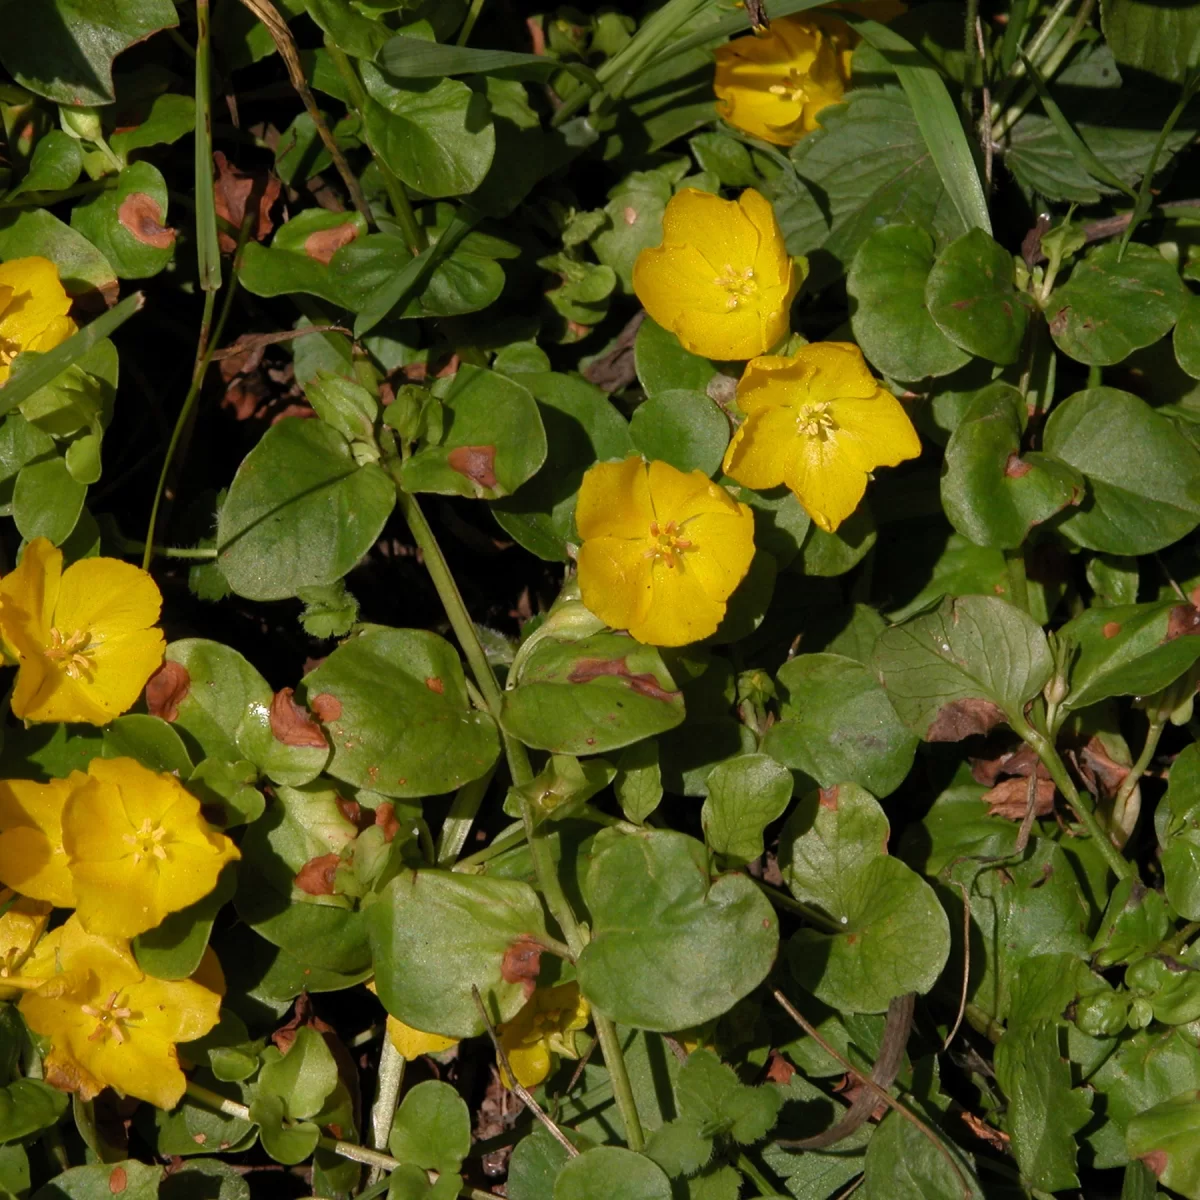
column 72, row 651
column 108, row 1018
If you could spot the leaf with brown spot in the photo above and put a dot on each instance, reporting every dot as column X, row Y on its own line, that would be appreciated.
column 142, row 217
column 1015, row 467
column 1111, row 629
column 166, row 690
column 1184, row 621
column 828, row 798
column 385, row 818
column 522, row 963
column 326, row 707
column 317, row 877
column 323, row 244
column 964, row 718
column 117, row 1180
column 477, row 463
column 587, row 669
column 292, row 724
column 434, row 684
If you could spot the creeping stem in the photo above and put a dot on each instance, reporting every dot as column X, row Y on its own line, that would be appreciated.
column 522, row 772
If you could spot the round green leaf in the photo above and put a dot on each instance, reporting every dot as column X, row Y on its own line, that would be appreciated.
column 992, row 493
column 47, row 501
column 435, row 934
column 663, row 364
column 1114, row 304
column 225, row 711
column 81, row 267
column 683, row 428
column 173, row 950
column 1143, row 475
column 780, row 520
column 1166, row 1136
column 889, row 318
column 432, row 1127
column 396, row 707
column 1187, row 336
column 744, row 796
column 607, row 1171
column 150, row 740
column 494, row 440
column 436, row 134
column 971, row 298
column 670, row 948
column 828, row 554
column 128, row 223
column 837, row 724
column 300, row 512
column 56, row 164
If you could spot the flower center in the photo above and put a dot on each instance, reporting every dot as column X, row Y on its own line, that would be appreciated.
column 108, row 1019
column 814, row 420
column 665, row 542
column 792, row 88
column 147, row 842
column 71, row 651
column 740, row 285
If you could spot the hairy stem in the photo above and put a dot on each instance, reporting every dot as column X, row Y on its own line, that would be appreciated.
column 387, row 1095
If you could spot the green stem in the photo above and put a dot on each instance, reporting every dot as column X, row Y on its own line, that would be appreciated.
column 1123, row 821
column 1018, row 583
column 782, row 900
column 971, row 53
column 756, row 1177
column 208, row 253
column 456, row 828
column 387, row 1095
column 1032, row 51
column 1182, row 936
column 506, row 841
column 402, row 210
column 469, row 23
column 1062, row 780
column 521, row 772
column 133, row 546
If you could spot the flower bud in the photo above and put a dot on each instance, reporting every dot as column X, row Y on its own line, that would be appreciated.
column 81, row 123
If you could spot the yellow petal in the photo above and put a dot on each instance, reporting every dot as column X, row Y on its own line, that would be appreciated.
column 826, row 482
column 531, row 1064
column 411, row 1043
column 724, row 550
column 614, row 501
column 110, row 597
column 772, row 380
column 761, row 453
column 681, row 610
column 875, row 432
column 32, row 859
column 56, row 332
column 836, row 370
column 38, row 299
column 615, row 579
column 718, row 228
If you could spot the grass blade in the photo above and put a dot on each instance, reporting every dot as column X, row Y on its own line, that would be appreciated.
column 415, row 58
column 208, row 253
column 736, row 22
column 45, row 368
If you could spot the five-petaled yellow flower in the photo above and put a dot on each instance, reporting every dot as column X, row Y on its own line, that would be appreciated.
column 20, row 927
column 32, row 859
column 33, row 309
column 84, row 638
column 542, row 1030
column 109, row 1023
column 662, row 549
column 137, row 847
column 722, row 280
column 820, row 422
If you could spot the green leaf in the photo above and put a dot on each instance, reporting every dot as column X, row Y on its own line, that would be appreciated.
column 938, row 120
column 349, row 29
column 961, row 669
column 169, row 117
column 1114, row 304
column 415, row 58
column 1181, row 835
column 1044, row 1111
column 710, row 1094
column 744, row 796
column 494, row 440
column 436, row 135
column 866, row 167
column 56, row 164
column 303, row 1078
column 663, row 364
column 435, row 934
column 902, row 1163
column 635, row 209
column 1164, row 1137
column 1143, row 477
column 128, row 223
column 829, row 554
column 683, row 428
column 582, row 427
column 47, row 501
column 1187, row 336
column 224, row 708
column 329, row 611
column 836, row 725
column 679, row 1146
column 638, row 783
column 669, row 948
column 591, row 695
column 536, row 1160
column 300, row 512
column 27, row 1106
column 431, row 1128
column 399, row 716
column 64, row 49
column 173, row 949
column 991, row 492
column 81, row 267
column 1161, row 39
column 150, row 740
column 285, row 1142
column 971, row 297
column 887, row 284
column 344, row 404
column 607, row 1171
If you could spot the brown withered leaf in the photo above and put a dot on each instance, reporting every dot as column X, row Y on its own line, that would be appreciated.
column 292, row 725
column 1102, row 774
column 1010, row 798
column 521, row 964
column 166, row 690
column 1184, row 621
column 964, row 718
column 233, row 190
column 323, row 244
column 992, row 765
column 317, row 876
column 142, row 217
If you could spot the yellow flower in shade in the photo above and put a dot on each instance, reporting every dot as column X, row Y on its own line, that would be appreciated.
column 412, row 1043
column 137, row 847
column 544, row 1028
column 32, row 858
column 83, row 638
column 109, row 1023
column 20, row 927
column 722, row 280
column 33, row 309
column 819, row 422
column 662, row 549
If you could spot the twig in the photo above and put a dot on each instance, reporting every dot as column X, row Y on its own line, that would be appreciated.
column 1030, row 811
column 966, row 974
column 253, row 341
column 523, row 1093
column 870, row 1084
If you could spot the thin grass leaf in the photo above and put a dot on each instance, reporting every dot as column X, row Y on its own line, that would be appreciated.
column 937, row 117
column 737, row 22
column 1081, row 151
column 208, row 253
column 416, row 58
column 45, row 368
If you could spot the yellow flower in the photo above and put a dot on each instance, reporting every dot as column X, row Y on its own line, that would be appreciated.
column 773, row 85
column 32, row 858
column 412, row 1043
column 137, row 847
column 20, row 928
column 662, row 550
column 83, row 638
column 33, row 309
column 722, row 280
column 544, row 1028
column 109, row 1023
column 819, row 422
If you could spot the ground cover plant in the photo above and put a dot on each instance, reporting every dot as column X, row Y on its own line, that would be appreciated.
column 599, row 602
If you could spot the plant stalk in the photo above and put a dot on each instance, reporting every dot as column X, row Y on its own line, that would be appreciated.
column 387, row 1095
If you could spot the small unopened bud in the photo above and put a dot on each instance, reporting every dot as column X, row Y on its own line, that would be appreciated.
column 82, row 123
